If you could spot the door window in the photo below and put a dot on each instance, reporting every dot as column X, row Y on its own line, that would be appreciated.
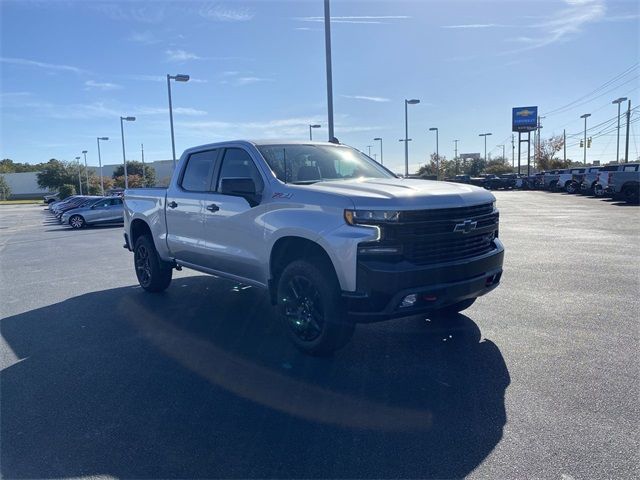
column 237, row 163
column 199, row 170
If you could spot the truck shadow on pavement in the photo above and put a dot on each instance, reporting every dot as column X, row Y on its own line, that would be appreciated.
column 200, row 381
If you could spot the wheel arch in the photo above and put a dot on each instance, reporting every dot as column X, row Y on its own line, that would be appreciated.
column 138, row 228
column 289, row 248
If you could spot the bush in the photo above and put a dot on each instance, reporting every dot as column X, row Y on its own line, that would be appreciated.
column 66, row 190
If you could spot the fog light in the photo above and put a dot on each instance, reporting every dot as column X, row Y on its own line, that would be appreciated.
column 409, row 300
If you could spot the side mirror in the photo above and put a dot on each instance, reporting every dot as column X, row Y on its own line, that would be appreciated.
column 240, row 187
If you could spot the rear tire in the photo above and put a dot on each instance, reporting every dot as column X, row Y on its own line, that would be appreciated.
column 311, row 307
column 452, row 310
column 154, row 275
column 571, row 187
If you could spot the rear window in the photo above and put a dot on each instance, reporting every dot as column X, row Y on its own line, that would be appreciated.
column 199, row 170
column 630, row 168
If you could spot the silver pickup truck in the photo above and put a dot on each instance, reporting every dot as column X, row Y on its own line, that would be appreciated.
column 624, row 183
column 334, row 237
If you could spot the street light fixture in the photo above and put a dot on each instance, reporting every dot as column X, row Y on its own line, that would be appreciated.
column 104, row 139
column 177, row 78
column 485, row 135
column 413, row 101
column 618, row 101
column 585, row 116
column 86, row 169
column 435, row 129
column 79, row 175
column 124, row 156
column 311, row 127
column 379, row 139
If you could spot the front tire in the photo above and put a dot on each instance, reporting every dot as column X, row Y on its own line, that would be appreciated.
column 311, row 307
column 630, row 193
column 154, row 275
column 77, row 222
column 572, row 187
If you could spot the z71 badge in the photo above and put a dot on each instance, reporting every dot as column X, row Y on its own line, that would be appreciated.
column 282, row 195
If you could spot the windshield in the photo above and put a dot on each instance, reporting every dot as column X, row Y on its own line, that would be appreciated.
column 305, row 164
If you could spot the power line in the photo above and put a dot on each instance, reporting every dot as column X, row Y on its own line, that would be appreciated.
column 596, row 90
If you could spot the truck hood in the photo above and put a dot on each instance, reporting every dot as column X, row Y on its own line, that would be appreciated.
column 405, row 194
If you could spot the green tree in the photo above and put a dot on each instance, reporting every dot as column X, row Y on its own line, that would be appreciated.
column 546, row 154
column 66, row 191
column 498, row 166
column 9, row 166
column 5, row 189
column 56, row 173
column 135, row 168
column 135, row 181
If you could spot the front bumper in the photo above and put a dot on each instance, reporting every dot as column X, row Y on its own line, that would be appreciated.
column 383, row 286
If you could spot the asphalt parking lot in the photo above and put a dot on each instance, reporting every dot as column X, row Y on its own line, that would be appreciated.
column 540, row 379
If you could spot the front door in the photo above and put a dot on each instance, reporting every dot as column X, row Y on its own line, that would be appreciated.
column 232, row 228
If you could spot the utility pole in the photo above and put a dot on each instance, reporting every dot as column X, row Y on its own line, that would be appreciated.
column 626, row 147
column 144, row 177
column 618, row 102
column 327, row 46
column 455, row 155
column 513, row 152
column 564, row 143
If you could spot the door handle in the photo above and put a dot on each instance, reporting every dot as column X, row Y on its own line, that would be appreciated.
column 172, row 205
column 213, row 207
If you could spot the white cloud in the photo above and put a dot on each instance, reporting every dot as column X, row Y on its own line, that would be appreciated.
column 364, row 97
column 43, row 65
column 180, row 56
column 365, row 19
column 241, row 81
column 90, row 84
column 221, row 13
column 145, row 38
column 564, row 24
column 132, row 12
column 476, row 25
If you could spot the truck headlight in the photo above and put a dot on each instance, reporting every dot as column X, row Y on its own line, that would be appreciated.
column 370, row 217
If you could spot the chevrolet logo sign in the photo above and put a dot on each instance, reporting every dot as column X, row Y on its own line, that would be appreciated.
column 524, row 113
column 465, row 227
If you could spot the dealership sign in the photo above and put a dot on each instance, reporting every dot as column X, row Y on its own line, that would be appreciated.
column 525, row 119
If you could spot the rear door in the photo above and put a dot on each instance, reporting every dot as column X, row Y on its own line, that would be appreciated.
column 233, row 229
column 185, row 206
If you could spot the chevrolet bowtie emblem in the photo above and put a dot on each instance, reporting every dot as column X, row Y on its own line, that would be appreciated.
column 465, row 227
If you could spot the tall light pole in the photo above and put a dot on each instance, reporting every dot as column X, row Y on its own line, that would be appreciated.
column 177, row 78
column 79, row 174
column 585, row 116
column 100, row 162
column 435, row 129
column 124, row 156
column 406, row 133
column 327, row 49
column 86, row 169
column 311, row 131
column 485, row 135
column 618, row 101
column 369, row 150
column 626, row 142
column 379, row 139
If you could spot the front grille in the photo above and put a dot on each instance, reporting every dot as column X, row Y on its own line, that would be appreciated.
column 449, row 250
column 429, row 236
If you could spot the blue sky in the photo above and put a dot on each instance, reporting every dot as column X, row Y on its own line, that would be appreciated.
column 69, row 69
